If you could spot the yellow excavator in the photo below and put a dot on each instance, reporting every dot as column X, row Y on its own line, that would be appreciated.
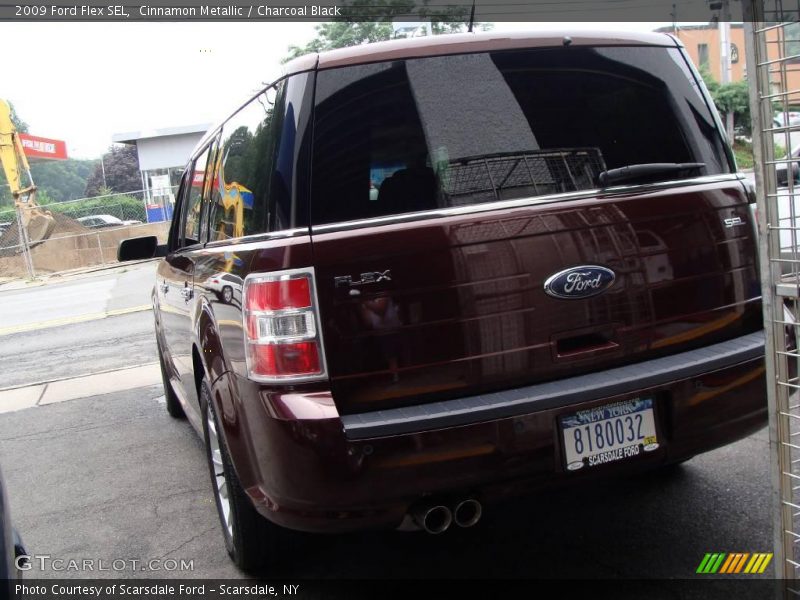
column 37, row 224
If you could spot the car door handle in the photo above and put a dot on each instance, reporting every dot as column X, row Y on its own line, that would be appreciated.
column 164, row 287
column 187, row 293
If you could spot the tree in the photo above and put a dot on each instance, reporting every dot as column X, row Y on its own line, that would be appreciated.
column 20, row 125
column 364, row 21
column 62, row 179
column 733, row 98
column 122, row 172
column 730, row 98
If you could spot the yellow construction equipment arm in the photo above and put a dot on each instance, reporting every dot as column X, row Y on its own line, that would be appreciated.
column 13, row 158
column 37, row 222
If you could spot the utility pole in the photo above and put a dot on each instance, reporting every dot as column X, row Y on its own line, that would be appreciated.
column 724, row 25
column 674, row 15
column 103, row 169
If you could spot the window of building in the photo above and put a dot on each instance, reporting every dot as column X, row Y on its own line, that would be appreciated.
column 791, row 36
column 702, row 55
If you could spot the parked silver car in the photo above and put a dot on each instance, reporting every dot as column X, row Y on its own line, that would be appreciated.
column 99, row 221
column 782, row 170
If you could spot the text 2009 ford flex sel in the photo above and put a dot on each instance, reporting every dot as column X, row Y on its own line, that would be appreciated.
column 411, row 278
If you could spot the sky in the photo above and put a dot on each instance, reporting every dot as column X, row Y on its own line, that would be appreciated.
column 84, row 82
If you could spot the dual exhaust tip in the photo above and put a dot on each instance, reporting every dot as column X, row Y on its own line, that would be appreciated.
column 437, row 518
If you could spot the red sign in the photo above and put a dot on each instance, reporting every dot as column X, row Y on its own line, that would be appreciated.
column 39, row 147
column 198, row 178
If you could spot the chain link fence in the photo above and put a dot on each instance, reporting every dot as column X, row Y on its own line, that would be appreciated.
column 83, row 233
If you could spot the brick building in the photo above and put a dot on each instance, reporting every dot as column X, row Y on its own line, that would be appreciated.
column 702, row 45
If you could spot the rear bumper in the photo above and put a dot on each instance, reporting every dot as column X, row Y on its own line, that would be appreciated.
column 307, row 468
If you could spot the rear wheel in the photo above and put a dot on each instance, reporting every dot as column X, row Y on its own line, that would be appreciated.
column 252, row 541
column 227, row 294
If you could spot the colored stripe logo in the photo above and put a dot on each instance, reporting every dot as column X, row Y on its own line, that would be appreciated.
column 734, row 563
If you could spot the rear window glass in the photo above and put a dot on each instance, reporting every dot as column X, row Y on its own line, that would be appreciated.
column 448, row 131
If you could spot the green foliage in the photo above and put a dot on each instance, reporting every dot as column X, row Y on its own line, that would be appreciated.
column 352, row 28
column 20, row 125
column 711, row 83
column 123, row 207
column 730, row 97
column 744, row 154
column 743, row 151
column 56, row 180
column 42, row 197
column 121, row 165
column 734, row 97
column 62, row 180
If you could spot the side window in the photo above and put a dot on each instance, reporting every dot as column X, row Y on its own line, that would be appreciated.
column 193, row 204
column 254, row 171
column 175, row 230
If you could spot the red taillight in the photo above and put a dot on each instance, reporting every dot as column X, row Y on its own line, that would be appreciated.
column 281, row 327
column 280, row 294
column 280, row 359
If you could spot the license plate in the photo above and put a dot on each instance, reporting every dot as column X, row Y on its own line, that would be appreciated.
column 609, row 433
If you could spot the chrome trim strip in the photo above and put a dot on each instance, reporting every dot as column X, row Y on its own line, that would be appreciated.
column 259, row 237
column 619, row 190
column 637, row 378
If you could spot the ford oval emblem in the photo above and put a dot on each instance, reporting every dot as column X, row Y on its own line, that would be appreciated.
column 579, row 282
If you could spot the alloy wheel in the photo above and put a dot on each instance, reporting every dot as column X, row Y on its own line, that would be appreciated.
column 221, row 488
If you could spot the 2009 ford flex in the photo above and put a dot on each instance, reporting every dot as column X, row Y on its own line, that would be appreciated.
column 453, row 269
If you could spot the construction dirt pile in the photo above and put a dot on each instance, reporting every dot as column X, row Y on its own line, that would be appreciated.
column 65, row 226
column 9, row 240
column 11, row 260
column 73, row 246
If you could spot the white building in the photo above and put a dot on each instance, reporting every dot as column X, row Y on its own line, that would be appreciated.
column 163, row 154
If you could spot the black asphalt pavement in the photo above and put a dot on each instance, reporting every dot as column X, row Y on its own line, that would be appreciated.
column 113, row 477
column 59, row 343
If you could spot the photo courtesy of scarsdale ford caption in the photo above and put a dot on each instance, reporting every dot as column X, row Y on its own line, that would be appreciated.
column 75, row 591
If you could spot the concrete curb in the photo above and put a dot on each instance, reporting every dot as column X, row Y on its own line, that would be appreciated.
column 73, row 388
column 70, row 320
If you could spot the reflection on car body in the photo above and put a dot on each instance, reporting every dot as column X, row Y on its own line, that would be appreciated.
column 226, row 286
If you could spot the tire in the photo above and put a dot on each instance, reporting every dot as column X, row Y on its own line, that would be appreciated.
column 227, row 294
column 253, row 542
column 174, row 407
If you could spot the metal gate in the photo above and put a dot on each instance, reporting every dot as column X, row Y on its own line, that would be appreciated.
column 772, row 34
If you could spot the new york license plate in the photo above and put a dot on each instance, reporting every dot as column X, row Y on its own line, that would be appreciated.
column 609, row 433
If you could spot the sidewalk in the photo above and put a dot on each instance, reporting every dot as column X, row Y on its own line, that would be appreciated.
column 10, row 283
column 72, row 388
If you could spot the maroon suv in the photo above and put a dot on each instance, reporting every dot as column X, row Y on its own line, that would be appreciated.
column 411, row 278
